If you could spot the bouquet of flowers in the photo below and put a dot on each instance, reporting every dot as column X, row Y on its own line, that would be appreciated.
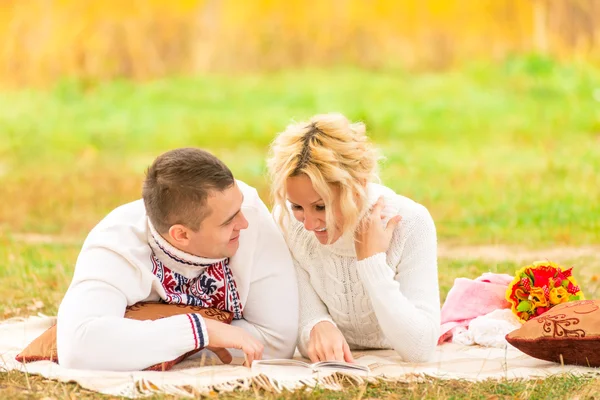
column 540, row 286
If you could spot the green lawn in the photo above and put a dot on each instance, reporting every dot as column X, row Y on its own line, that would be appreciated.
column 501, row 154
column 508, row 153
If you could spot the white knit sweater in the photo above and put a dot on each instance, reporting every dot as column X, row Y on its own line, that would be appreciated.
column 388, row 300
column 115, row 270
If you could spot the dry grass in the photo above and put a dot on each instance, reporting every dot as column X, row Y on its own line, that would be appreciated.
column 20, row 386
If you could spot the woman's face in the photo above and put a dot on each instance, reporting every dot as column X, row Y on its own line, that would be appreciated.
column 309, row 208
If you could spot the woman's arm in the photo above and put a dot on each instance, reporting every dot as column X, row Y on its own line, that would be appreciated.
column 407, row 304
column 312, row 309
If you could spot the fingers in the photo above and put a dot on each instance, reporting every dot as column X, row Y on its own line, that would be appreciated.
column 326, row 343
column 338, row 353
column 347, row 353
column 393, row 223
column 329, row 354
column 377, row 207
column 321, row 353
column 252, row 351
column 312, row 354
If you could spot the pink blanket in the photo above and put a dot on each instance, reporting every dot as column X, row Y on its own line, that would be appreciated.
column 469, row 299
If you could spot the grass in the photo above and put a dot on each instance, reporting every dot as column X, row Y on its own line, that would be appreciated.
column 506, row 153
column 500, row 154
column 35, row 276
column 564, row 387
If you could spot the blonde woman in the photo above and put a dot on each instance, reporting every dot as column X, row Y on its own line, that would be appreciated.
column 365, row 257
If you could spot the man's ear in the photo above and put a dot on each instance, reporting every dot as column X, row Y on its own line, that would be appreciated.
column 179, row 235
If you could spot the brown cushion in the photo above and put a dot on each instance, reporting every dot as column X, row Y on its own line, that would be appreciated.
column 44, row 346
column 568, row 333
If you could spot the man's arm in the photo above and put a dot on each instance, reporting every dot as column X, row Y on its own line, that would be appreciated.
column 271, row 309
column 92, row 332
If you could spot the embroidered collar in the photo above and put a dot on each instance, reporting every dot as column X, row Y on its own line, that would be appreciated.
column 213, row 287
column 177, row 260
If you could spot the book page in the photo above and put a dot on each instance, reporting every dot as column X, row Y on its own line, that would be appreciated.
column 341, row 366
column 282, row 362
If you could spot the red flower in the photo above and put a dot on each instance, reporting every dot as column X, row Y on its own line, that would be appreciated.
column 526, row 284
column 572, row 288
column 558, row 281
column 541, row 310
column 542, row 275
column 566, row 273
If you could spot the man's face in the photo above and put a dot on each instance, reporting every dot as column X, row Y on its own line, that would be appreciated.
column 219, row 233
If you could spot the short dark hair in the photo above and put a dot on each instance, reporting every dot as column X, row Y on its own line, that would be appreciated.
column 177, row 185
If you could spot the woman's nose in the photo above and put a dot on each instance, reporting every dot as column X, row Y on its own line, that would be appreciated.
column 310, row 223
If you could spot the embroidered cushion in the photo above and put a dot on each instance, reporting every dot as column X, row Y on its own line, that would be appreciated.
column 568, row 333
column 44, row 346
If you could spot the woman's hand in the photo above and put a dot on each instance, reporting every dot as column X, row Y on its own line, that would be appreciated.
column 328, row 344
column 372, row 238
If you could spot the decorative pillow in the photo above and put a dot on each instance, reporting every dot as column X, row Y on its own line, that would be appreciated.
column 568, row 333
column 44, row 346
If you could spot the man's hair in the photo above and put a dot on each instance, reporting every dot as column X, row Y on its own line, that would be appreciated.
column 178, row 184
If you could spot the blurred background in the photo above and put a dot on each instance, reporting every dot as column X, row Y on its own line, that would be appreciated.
column 46, row 40
column 487, row 111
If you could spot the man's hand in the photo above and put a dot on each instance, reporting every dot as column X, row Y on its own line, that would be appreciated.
column 222, row 336
column 328, row 344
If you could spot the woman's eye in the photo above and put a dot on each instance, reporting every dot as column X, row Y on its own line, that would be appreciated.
column 296, row 207
column 320, row 208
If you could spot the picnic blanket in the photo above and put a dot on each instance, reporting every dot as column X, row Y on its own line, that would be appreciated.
column 201, row 376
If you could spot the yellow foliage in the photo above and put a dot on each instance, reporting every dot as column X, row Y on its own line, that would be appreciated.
column 43, row 40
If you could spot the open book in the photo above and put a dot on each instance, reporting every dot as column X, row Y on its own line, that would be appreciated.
column 339, row 366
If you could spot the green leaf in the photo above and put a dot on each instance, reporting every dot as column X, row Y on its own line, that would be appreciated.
column 531, row 277
column 573, row 298
column 565, row 283
column 524, row 306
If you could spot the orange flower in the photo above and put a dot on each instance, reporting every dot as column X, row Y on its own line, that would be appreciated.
column 537, row 297
column 540, row 286
column 559, row 295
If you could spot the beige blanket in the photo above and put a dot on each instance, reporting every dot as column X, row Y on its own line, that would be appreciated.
column 198, row 375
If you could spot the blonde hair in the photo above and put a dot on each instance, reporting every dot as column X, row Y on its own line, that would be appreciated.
column 330, row 150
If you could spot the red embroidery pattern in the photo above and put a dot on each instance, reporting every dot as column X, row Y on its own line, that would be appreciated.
column 214, row 287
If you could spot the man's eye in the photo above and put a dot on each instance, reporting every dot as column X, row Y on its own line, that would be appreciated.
column 320, row 208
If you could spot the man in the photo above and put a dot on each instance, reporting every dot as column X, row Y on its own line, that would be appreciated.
column 198, row 237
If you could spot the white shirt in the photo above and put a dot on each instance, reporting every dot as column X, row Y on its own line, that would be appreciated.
column 114, row 270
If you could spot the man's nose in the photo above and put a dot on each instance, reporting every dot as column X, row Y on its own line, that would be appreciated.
column 243, row 224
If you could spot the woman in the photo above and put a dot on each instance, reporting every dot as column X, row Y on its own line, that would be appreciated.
column 366, row 279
